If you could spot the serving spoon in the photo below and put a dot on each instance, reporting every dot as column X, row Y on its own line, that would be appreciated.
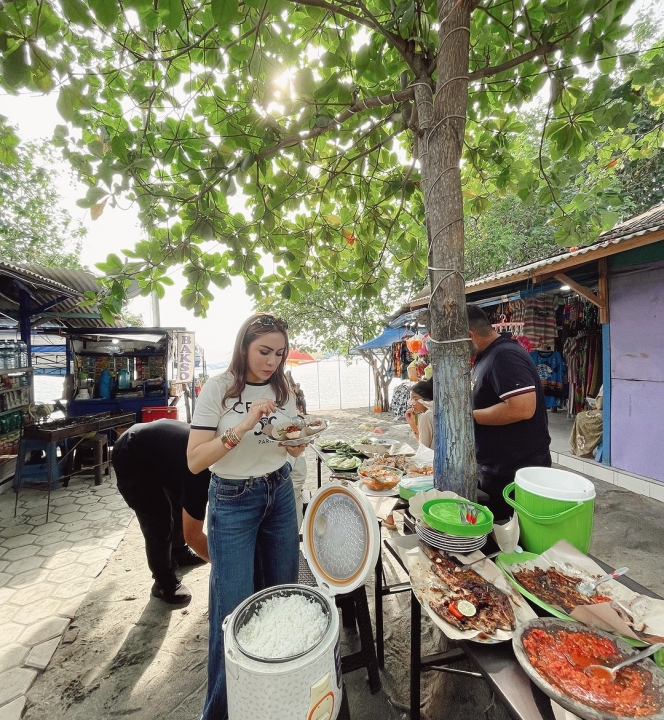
column 587, row 587
column 608, row 673
column 461, row 568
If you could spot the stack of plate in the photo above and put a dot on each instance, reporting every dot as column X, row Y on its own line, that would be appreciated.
column 450, row 543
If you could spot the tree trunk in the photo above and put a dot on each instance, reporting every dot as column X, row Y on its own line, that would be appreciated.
column 381, row 377
column 441, row 121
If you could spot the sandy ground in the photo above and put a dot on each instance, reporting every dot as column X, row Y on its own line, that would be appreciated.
column 129, row 655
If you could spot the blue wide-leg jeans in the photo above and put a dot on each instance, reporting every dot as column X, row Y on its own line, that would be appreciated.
column 247, row 520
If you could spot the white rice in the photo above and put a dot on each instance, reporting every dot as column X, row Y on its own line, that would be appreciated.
column 284, row 626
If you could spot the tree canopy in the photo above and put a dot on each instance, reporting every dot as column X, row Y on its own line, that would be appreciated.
column 340, row 138
column 305, row 113
column 34, row 226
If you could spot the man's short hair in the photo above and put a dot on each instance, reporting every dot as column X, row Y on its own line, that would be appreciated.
column 478, row 322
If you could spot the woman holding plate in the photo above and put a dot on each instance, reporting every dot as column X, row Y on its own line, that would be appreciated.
column 251, row 511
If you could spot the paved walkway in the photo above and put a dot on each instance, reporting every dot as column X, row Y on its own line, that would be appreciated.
column 46, row 569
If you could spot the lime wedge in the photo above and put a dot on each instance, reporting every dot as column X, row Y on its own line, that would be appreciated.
column 466, row 608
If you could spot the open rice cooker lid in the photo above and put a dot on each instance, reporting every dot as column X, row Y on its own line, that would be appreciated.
column 341, row 537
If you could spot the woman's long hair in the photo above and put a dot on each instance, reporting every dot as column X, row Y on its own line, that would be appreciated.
column 252, row 328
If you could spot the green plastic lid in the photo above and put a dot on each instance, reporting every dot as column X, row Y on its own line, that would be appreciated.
column 445, row 515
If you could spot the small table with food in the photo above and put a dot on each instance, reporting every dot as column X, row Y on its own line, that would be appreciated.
column 573, row 644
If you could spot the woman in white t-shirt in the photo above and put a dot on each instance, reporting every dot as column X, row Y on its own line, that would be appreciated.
column 251, row 510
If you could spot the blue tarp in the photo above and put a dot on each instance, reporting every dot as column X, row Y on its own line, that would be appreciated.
column 388, row 337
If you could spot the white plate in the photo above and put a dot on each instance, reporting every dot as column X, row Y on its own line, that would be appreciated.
column 381, row 440
column 305, row 440
column 390, row 492
column 450, row 548
column 450, row 543
column 457, row 539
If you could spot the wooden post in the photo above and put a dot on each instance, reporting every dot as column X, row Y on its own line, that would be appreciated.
column 603, row 291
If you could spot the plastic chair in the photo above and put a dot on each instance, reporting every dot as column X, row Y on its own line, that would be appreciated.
column 42, row 465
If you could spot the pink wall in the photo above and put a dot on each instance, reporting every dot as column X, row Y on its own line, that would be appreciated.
column 636, row 300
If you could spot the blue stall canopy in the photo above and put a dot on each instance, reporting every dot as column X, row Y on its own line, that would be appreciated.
column 386, row 339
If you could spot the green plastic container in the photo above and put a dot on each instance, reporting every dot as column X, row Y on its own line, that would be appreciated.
column 443, row 515
column 552, row 505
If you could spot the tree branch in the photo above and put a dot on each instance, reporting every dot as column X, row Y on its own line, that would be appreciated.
column 489, row 71
column 358, row 106
column 342, row 9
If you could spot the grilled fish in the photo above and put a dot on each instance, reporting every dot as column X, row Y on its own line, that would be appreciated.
column 493, row 610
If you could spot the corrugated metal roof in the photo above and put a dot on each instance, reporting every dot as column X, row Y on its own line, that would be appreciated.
column 80, row 280
column 644, row 225
column 47, row 285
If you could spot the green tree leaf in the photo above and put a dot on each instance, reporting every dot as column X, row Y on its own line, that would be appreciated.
column 15, row 66
column 76, row 12
column 171, row 13
column 106, row 11
column 225, row 12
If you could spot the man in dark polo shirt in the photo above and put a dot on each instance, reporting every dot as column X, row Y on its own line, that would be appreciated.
column 150, row 462
column 511, row 424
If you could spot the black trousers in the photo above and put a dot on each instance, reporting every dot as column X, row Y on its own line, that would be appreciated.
column 158, row 507
column 493, row 485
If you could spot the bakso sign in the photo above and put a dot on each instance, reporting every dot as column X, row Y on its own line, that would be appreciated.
column 186, row 356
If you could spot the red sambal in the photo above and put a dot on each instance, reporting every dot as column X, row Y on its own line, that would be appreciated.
column 560, row 658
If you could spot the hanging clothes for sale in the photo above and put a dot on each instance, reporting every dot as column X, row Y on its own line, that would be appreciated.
column 401, row 358
column 584, row 369
column 549, row 365
column 540, row 322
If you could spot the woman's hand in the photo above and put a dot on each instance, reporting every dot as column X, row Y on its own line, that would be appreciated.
column 410, row 419
column 295, row 450
column 258, row 409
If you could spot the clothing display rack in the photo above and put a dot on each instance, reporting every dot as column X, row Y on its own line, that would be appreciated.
column 563, row 335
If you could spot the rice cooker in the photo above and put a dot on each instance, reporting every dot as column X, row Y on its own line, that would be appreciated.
column 341, row 544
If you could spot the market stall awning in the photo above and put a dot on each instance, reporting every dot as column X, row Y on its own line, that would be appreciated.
column 386, row 339
column 298, row 357
column 35, row 296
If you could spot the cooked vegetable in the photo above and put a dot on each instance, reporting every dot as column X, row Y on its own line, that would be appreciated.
column 454, row 610
column 333, row 445
column 343, row 463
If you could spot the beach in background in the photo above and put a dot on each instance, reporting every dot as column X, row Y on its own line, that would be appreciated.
column 328, row 384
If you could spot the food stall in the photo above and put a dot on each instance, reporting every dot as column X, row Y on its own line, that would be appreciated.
column 486, row 608
column 122, row 370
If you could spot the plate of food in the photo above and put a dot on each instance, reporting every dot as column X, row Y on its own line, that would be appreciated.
column 343, row 463
column 418, row 469
column 475, row 604
column 380, row 480
column 505, row 560
column 556, row 655
column 295, row 431
column 551, row 581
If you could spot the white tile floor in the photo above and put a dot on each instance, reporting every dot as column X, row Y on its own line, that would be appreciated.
column 45, row 571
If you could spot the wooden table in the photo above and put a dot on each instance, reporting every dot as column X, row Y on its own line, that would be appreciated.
column 497, row 663
column 48, row 436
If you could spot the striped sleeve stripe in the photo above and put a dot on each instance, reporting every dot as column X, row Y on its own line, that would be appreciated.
column 202, row 427
column 518, row 391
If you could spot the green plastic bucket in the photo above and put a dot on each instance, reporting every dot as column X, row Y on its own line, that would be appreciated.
column 552, row 505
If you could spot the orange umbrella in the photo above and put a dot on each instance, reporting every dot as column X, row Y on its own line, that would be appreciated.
column 298, row 357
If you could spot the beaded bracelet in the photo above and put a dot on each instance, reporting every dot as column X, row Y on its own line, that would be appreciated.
column 228, row 444
column 233, row 436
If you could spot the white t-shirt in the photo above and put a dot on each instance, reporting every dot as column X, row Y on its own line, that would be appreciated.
column 255, row 455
